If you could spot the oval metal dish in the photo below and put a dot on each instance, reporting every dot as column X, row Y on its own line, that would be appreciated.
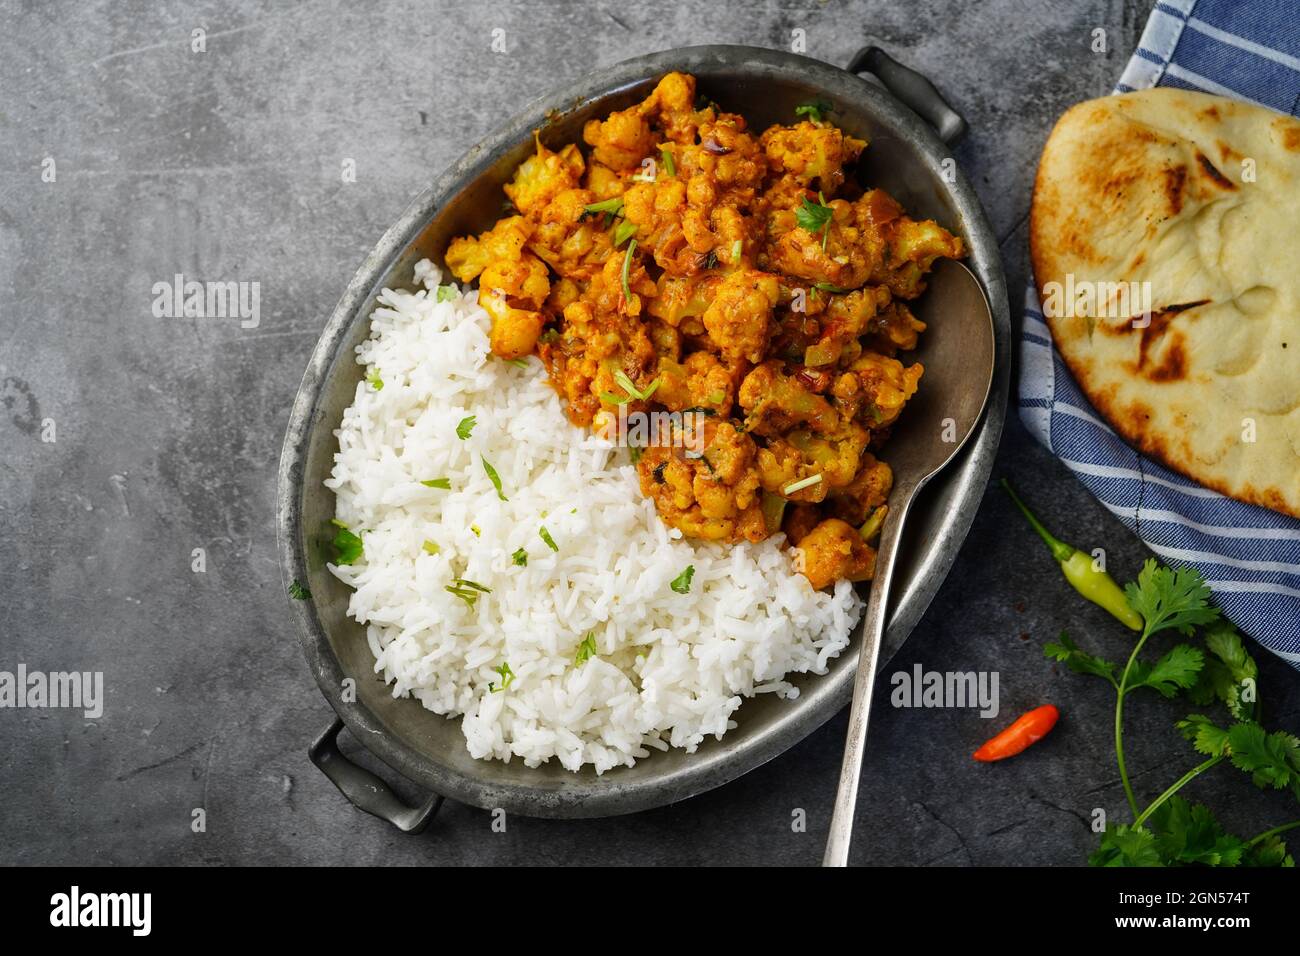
column 905, row 157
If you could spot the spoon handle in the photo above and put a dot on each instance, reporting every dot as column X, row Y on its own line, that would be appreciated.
column 873, row 632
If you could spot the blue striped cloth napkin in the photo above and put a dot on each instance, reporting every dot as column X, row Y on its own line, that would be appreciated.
column 1248, row 50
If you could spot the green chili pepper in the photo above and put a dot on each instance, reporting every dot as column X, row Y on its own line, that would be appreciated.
column 1078, row 567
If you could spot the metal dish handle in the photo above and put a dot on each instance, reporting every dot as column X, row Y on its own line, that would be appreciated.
column 914, row 89
column 363, row 789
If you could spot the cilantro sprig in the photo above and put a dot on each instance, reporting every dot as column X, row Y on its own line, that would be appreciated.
column 1171, row 831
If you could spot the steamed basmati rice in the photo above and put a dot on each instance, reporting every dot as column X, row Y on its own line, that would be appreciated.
column 668, row 670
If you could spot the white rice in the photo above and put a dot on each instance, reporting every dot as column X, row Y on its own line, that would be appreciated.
column 670, row 668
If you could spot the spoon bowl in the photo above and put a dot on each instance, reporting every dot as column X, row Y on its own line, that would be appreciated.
column 957, row 352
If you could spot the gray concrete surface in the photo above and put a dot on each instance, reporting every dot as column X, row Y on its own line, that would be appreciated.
column 226, row 165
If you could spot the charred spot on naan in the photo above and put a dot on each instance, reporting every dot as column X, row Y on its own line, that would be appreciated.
column 1212, row 172
column 1175, row 181
column 1161, row 355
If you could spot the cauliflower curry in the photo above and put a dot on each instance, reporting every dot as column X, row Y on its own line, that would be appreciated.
column 688, row 264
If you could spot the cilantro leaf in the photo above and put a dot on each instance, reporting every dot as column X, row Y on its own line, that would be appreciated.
column 682, row 583
column 586, row 650
column 1272, row 760
column 546, row 536
column 347, row 546
column 1168, row 598
column 520, row 558
column 1206, row 736
column 813, row 217
column 1188, row 833
column 1177, row 669
column 445, row 293
column 466, row 427
column 1124, row 845
column 493, row 477
column 1229, row 672
column 814, row 111
column 298, row 591
column 443, row 483
column 374, row 381
column 1269, row 852
column 1068, row 653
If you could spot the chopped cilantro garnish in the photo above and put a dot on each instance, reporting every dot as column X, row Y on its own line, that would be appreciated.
column 627, row 267
column 374, row 381
column 298, row 591
column 478, row 532
column 443, row 483
column 814, row 111
column 347, row 545
column 586, row 650
column 467, row 591
column 625, row 382
column 682, row 583
column 466, row 427
column 520, row 558
column 814, row 217
column 623, row 231
column 465, row 594
column 445, row 293
column 546, row 536
column 493, row 477
column 611, row 207
column 430, row 547
column 507, row 678
column 668, row 160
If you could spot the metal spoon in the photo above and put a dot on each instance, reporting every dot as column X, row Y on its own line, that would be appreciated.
column 957, row 352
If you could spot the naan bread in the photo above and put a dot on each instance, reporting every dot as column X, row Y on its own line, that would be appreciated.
column 1200, row 197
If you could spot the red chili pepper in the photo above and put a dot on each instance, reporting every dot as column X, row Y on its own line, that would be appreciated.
column 1028, row 729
